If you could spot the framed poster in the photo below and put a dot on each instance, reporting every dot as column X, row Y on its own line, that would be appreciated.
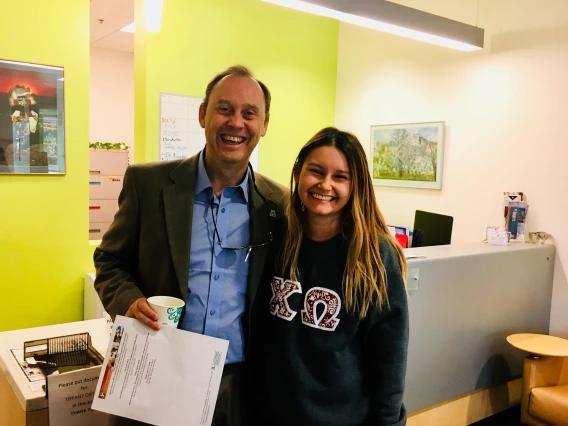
column 32, row 131
column 407, row 155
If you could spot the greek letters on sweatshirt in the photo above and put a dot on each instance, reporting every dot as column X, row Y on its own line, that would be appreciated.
column 316, row 364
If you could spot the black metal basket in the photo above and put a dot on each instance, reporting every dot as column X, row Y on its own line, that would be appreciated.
column 56, row 353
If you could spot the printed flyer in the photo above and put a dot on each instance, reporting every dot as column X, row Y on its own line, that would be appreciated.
column 161, row 377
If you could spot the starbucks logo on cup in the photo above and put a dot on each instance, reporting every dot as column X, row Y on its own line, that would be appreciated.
column 174, row 314
column 168, row 309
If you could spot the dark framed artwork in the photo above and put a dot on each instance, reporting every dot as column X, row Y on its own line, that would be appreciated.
column 408, row 155
column 32, row 129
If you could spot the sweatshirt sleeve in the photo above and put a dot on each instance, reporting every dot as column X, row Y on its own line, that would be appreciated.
column 386, row 348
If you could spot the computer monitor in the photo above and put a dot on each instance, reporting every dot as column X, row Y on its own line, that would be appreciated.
column 431, row 229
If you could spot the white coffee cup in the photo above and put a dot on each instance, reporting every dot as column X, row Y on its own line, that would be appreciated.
column 168, row 309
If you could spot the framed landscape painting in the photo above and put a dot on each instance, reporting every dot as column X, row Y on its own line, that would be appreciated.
column 407, row 155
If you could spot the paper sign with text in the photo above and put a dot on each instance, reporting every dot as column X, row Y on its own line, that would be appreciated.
column 70, row 398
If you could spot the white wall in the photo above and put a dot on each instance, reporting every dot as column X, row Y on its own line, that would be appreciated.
column 505, row 109
column 112, row 97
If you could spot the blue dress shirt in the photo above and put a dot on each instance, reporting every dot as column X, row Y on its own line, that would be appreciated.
column 217, row 285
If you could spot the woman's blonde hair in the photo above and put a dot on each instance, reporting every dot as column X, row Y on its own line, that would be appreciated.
column 363, row 226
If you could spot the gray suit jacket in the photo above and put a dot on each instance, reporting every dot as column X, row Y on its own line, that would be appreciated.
column 146, row 250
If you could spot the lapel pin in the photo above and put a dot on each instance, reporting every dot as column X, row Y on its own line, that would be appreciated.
column 272, row 213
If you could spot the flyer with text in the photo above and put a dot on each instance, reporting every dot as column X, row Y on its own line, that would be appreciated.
column 161, row 377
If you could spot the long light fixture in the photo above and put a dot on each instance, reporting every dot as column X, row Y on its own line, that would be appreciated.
column 396, row 19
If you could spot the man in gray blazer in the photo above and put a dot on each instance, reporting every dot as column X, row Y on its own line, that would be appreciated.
column 199, row 229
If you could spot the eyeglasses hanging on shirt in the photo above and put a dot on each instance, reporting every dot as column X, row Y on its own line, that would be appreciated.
column 249, row 246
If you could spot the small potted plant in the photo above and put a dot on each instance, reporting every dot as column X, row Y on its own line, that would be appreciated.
column 120, row 146
column 101, row 148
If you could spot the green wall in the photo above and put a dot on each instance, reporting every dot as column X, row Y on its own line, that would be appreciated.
column 293, row 53
column 44, row 251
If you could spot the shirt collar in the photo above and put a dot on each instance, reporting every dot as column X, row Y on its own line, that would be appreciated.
column 203, row 183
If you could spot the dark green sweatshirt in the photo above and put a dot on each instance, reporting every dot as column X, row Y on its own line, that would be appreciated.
column 314, row 363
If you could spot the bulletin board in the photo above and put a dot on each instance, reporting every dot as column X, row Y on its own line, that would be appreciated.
column 181, row 135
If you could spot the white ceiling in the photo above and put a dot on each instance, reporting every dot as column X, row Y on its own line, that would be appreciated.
column 107, row 18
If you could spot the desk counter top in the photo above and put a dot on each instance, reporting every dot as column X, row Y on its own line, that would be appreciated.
column 467, row 249
column 35, row 400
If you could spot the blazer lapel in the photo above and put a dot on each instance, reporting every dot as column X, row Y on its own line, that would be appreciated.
column 260, row 228
column 178, row 208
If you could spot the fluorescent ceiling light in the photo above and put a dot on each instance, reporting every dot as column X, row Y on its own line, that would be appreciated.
column 129, row 28
column 153, row 15
column 395, row 19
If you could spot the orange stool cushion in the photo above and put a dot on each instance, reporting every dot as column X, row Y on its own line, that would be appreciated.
column 550, row 403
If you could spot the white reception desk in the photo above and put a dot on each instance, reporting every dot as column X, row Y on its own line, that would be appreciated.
column 464, row 300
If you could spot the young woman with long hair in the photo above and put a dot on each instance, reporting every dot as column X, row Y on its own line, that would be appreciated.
column 332, row 324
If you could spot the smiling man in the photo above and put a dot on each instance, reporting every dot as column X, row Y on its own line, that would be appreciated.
column 199, row 229
column 235, row 115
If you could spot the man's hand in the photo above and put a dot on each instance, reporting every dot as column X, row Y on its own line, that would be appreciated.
column 142, row 311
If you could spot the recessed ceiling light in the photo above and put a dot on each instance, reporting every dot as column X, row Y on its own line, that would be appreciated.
column 129, row 28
